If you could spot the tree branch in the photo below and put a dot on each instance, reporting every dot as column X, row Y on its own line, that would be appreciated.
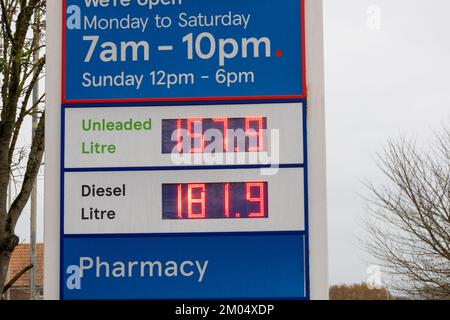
column 33, row 166
column 16, row 277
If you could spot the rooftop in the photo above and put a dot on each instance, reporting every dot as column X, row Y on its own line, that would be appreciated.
column 21, row 259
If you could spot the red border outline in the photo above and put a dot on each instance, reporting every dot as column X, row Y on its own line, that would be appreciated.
column 185, row 99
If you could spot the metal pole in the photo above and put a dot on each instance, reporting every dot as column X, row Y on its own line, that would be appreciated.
column 33, row 230
column 8, row 294
column 34, row 191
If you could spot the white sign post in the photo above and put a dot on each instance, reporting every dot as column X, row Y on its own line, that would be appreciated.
column 125, row 94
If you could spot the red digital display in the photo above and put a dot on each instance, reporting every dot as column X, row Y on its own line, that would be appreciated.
column 241, row 200
column 197, row 135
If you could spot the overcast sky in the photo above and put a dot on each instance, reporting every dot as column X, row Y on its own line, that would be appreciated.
column 379, row 84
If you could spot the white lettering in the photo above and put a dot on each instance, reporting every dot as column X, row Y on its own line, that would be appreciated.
column 132, row 269
column 84, row 266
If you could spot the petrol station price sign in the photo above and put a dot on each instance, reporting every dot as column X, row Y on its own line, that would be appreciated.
column 184, row 154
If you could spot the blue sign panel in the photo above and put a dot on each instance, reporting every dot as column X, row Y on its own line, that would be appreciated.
column 228, row 231
column 222, row 266
column 183, row 50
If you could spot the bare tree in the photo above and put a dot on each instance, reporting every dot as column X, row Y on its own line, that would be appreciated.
column 360, row 291
column 409, row 217
column 21, row 36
